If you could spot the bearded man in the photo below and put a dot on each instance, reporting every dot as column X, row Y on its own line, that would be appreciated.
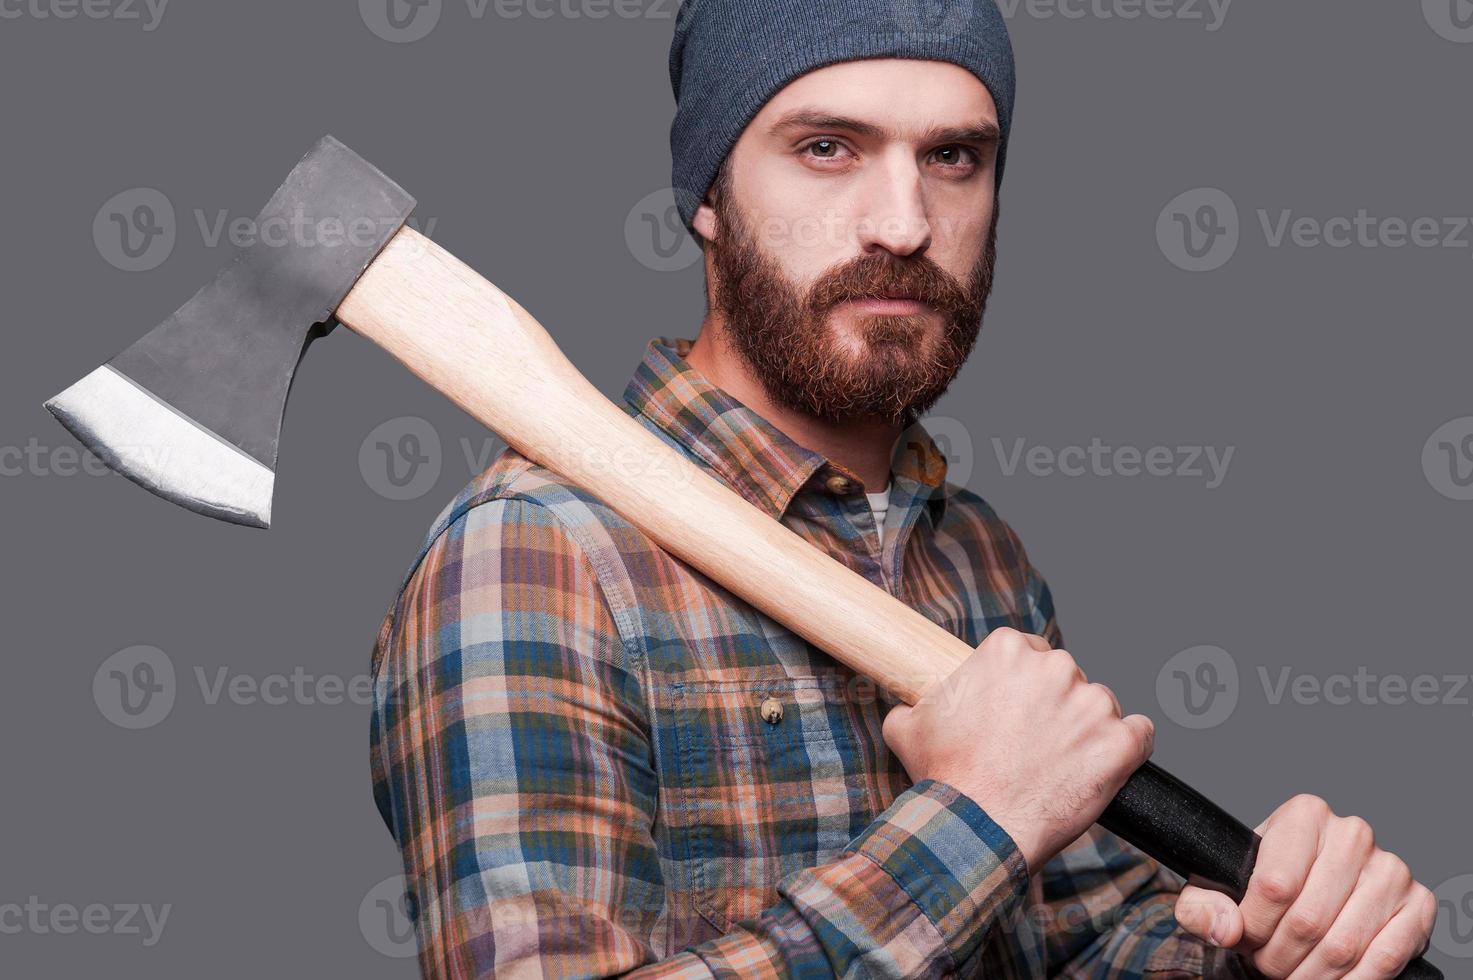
column 598, row 762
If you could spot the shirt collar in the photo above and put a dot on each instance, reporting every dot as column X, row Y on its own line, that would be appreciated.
column 750, row 454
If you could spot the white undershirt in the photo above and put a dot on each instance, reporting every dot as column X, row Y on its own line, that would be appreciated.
column 879, row 504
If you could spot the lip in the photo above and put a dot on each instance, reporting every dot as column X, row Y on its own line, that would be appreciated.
column 874, row 305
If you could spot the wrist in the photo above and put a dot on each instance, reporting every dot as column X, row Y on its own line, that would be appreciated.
column 1018, row 821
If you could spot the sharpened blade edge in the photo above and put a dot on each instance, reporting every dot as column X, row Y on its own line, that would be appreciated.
column 154, row 445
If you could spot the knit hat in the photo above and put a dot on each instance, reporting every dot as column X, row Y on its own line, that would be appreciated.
column 728, row 57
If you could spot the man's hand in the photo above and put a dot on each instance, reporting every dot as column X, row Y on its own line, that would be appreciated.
column 1020, row 730
column 1324, row 902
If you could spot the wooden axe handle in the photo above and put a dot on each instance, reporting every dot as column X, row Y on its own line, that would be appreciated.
column 477, row 346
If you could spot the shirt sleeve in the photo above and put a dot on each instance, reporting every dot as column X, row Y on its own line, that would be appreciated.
column 512, row 762
column 1108, row 907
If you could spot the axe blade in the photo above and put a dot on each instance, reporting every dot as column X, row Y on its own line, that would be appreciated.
column 193, row 410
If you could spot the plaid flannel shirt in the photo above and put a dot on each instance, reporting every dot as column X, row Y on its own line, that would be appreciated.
column 597, row 761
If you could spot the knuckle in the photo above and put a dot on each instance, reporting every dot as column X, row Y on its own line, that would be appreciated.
column 1271, row 963
column 1060, row 661
column 1135, row 743
column 1392, row 869
column 1424, row 902
column 1146, row 739
column 1384, row 961
column 1306, row 926
column 1104, row 696
column 1339, row 952
column 1275, row 888
column 1308, row 805
column 1006, row 638
column 1359, row 834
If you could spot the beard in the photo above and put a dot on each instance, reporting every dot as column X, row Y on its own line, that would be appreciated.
column 791, row 344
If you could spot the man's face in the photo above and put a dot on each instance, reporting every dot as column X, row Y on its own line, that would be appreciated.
column 857, row 181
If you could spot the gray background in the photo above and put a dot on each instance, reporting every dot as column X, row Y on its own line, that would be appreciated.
column 531, row 141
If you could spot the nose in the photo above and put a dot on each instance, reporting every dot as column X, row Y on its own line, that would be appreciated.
column 896, row 218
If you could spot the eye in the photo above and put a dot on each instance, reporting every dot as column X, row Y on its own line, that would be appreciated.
column 824, row 149
column 958, row 156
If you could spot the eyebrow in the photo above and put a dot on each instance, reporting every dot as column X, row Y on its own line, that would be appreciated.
column 807, row 118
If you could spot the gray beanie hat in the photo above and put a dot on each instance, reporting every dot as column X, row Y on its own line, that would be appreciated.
column 728, row 57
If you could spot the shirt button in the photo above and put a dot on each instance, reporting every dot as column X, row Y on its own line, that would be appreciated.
column 838, row 484
column 772, row 711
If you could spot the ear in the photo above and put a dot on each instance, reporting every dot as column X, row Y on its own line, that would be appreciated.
column 705, row 221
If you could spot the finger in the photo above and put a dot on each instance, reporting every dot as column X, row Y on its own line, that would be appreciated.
column 1209, row 915
column 1377, row 897
column 1403, row 939
column 1397, row 944
column 1145, row 732
column 1332, row 879
column 1291, row 840
column 1036, row 642
column 1110, row 695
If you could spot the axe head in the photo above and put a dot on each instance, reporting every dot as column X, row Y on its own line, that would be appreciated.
column 193, row 410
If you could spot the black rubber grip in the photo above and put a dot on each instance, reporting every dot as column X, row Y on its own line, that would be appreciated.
column 1196, row 838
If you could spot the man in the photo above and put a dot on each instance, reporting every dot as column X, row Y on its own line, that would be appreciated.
column 596, row 761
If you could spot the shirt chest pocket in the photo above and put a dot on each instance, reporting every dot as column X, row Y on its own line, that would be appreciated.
column 768, row 782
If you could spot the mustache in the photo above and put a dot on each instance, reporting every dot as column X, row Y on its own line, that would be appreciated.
column 883, row 274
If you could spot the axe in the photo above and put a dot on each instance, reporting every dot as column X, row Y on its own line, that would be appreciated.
column 193, row 411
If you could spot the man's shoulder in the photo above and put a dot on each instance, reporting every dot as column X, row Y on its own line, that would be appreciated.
column 512, row 476
column 516, row 489
column 969, row 513
column 517, row 536
column 972, row 527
